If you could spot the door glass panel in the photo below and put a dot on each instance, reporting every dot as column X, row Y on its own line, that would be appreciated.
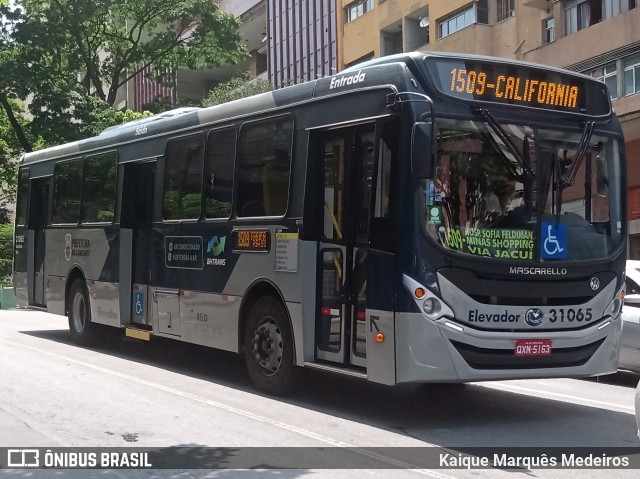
column 330, row 325
column 334, row 160
column 364, row 151
column 360, row 285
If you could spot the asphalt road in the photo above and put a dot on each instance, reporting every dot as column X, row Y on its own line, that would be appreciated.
column 164, row 394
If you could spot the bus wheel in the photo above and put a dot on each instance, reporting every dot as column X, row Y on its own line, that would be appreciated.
column 268, row 347
column 80, row 325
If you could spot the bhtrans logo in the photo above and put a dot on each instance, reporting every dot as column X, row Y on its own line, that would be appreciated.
column 216, row 247
column 339, row 82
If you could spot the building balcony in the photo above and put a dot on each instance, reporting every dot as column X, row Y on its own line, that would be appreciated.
column 474, row 39
column 591, row 42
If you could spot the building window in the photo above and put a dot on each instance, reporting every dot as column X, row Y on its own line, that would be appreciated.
column 475, row 13
column 577, row 15
column 358, row 8
column 549, row 30
column 506, row 9
column 609, row 76
column 631, row 78
column 611, row 8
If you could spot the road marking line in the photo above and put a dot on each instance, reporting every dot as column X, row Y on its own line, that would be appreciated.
column 240, row 412
column 560, row 396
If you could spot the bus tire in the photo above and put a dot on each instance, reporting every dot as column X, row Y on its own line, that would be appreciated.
column 268, row 347
column 79, row 314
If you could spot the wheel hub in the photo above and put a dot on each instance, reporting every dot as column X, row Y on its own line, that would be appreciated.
column 267, row 346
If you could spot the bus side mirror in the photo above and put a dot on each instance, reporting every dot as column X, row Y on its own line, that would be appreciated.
column 421, row 149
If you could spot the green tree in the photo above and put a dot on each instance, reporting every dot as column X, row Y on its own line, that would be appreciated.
column 6, row 253
column 236, row 88
column 65, row 54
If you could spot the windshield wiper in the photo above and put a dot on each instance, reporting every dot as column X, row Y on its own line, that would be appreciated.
column 583, row 144
column 497, row 128
column 560, row 183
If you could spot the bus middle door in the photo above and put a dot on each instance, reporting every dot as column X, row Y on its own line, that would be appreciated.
column 342, row 252
column 136, row 240
column 37, row 221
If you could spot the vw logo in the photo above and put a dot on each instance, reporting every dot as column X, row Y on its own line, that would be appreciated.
column 534, row 317
column 594, row 283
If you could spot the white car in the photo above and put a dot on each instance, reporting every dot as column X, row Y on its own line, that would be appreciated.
column 630, row 342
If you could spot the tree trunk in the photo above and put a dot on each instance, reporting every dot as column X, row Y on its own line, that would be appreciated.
column 17, row 128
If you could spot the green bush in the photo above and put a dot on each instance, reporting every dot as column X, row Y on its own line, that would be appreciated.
column 6, row 253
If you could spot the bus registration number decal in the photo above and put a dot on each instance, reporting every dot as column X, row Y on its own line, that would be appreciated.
column 533, row 347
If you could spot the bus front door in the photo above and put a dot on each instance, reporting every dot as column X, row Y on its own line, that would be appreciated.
column 348, row 155
column 136, row 237
column 38, row 211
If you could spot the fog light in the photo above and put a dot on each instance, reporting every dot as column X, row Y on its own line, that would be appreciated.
column 429, row 305
column 432, row 307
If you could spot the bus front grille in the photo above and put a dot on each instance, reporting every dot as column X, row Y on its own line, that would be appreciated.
column 483, row 358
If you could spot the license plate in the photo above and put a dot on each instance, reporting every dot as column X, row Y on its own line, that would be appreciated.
column 532, row 347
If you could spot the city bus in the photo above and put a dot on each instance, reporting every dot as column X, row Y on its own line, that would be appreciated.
column 421, row 217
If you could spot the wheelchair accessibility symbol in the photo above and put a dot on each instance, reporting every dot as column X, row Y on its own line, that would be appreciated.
column 553, row 243
column 138, row 303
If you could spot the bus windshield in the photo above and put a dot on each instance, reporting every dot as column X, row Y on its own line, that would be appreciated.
column 521, row 193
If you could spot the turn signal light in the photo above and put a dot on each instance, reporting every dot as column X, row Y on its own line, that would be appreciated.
column 419, row 293
column 379, row 338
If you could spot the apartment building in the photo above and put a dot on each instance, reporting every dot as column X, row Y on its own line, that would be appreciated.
column 600, row 38
column 301, row 40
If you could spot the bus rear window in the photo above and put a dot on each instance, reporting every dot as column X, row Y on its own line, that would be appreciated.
column 23, row 193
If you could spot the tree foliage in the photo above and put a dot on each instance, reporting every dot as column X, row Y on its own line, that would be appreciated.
column 63, row 63
column 65, row 54
column 236, row 88
column 6, row 255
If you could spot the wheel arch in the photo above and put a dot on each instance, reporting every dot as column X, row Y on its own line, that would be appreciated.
column 75, row 273
column 256, row 290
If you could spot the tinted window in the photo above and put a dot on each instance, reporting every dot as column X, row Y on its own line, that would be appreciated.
column 67, row 190
column 264, row 164
column 183, row 178
column 218, row 176
column 99, row 187
column 22, row 196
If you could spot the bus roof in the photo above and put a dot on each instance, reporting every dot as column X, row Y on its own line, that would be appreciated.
column 392, row 69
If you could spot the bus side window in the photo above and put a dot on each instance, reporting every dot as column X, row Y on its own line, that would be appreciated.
column 99, row 188
column 218, row 176
column 264, row 166
column 182, row 197
column 382, row 229
column 67, row 178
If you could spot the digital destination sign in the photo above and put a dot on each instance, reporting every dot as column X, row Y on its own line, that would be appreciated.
column 517, row 84
column 251, row 240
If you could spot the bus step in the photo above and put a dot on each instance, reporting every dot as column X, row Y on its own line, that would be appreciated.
column 137, row 333
column 337, row 369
